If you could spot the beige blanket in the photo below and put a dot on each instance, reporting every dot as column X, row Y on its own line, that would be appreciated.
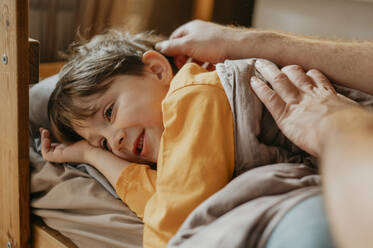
column 75, row 204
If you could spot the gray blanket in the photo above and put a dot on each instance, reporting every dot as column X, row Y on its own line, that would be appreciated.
column 272, row 174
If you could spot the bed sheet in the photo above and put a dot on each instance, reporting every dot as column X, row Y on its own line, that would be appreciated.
column 75, row 199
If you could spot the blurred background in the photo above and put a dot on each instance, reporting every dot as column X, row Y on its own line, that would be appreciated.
column 55, row 22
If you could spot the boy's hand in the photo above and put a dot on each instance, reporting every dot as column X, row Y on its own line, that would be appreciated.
column 60, row 153
column 82, row 152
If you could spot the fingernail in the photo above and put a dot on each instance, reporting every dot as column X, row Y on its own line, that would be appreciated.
column 160, row 45
column 258, row 63
column 254, row 80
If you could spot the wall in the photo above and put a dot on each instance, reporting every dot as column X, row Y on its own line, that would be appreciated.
column 340, row 19
column 54, row 22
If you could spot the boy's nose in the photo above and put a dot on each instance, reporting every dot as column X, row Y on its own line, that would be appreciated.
column 118, row 141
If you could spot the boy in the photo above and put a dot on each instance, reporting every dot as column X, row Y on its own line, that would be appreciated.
column 119, row 107
column 118, row 101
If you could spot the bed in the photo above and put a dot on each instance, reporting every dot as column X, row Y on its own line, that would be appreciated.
column 18, row 69
column 14, row 172
column 18, row 226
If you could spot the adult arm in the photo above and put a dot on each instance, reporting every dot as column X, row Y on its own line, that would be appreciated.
column 312, row 115
column 347, row 168
column 348, row 63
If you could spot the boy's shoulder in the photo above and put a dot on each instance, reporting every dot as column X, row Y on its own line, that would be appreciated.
column 192, row 74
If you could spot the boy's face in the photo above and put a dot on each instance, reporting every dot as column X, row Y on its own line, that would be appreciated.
column 129, row 118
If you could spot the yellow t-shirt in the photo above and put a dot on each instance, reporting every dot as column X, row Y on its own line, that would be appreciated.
column 196, row 156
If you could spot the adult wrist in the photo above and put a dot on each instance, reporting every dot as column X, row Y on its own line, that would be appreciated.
column 341, row 125
column 254, row 43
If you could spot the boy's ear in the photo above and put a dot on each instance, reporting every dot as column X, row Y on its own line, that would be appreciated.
column 159, row 65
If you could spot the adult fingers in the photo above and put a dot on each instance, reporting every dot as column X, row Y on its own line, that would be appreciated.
column 278, row 80
column 298, row 77
column 320, row 80
column 179, row 32
column 269, row 97
column 173, row 47
column 189, row 28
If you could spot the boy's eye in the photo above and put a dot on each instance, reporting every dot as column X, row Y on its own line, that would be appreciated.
column 104, row 145
column 108, row 112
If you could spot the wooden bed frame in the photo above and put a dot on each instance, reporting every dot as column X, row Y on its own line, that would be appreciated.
column 18, row 67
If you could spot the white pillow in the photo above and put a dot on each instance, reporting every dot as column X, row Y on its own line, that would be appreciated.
column 38, row 104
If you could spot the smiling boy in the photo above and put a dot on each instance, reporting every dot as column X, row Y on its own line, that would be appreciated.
column 119, row 107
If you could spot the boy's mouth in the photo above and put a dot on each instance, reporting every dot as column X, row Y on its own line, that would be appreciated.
column 139, row 144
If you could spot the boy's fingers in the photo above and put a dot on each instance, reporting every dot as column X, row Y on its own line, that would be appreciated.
column 270, row 99
column 46, row 143
column 46, row 133
column 211, row 67
column 278, row 80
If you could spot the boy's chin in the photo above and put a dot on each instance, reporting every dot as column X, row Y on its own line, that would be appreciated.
column 152, row 164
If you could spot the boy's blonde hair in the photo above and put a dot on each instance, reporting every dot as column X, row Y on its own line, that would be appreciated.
column 90, row 63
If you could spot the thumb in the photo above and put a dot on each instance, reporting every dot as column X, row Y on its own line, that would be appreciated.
column 172, row 47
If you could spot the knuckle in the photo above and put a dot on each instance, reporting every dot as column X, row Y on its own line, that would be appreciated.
column 291, row 68
column 265, row 62
column 281, row 76
column 306, row 86
column 269, row 95
column 187, row 41
column 313, row 72
column 329, row 90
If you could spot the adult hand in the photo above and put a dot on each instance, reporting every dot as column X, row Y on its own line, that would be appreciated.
column 300, row 103
column 203, row 41
column 61, row 153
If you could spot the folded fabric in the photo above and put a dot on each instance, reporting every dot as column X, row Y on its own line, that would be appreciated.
column 273, row 174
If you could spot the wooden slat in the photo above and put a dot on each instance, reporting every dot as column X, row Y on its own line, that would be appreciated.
column 49, row 69
column 203, row 9
column 34, row 55
column 14, row 157
column 45, row 237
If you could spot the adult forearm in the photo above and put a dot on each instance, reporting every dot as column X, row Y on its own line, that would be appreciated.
column 347, row 169
column 346, row 63
column 107, row 163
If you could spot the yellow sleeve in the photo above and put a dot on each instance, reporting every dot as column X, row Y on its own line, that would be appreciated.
column 135, row 186
column 196, row 158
